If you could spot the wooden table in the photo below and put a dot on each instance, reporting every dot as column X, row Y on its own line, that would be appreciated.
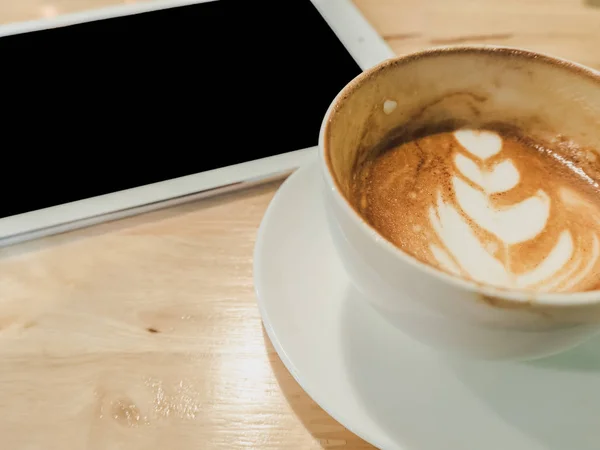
column 144, row 333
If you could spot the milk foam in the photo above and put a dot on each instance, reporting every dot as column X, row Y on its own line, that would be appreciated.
column 459, row 227
column 492, row 207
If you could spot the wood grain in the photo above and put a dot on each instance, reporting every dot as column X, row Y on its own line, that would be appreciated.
column 565, row 28
column 144, row 333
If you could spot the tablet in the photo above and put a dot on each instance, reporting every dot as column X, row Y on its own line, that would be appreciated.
column 113, row 112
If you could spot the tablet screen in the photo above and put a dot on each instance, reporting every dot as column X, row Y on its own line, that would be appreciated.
column 99, row 107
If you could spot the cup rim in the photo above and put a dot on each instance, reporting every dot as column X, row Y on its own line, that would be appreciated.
column 506, row 294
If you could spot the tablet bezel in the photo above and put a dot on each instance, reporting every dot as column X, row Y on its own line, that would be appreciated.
column 356, row 34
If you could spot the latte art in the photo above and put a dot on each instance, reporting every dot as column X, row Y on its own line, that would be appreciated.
column 486, row 207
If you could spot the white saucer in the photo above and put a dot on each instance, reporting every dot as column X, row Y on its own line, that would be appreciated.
column 385, row 387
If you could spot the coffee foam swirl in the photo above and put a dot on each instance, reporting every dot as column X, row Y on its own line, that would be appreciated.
column 488, row 207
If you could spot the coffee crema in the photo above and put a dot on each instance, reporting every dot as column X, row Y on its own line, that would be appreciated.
column 488, row 206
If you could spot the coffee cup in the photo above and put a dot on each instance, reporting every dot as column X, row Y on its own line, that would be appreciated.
column 502, row 126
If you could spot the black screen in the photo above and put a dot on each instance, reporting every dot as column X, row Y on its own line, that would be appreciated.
column 98, row 107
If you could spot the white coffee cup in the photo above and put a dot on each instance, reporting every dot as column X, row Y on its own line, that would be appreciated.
column 542, row 94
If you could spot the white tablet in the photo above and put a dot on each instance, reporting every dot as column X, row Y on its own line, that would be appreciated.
column 117, row 111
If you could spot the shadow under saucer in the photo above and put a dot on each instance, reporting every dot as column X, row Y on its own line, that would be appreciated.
column 324, row 428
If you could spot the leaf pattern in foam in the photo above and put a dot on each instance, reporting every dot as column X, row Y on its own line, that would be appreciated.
column 554, row 261
column 463, row 246
column 560, row 269
column 501, row 178
column 480, row 143
column 570, row 278
column 520, row 222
